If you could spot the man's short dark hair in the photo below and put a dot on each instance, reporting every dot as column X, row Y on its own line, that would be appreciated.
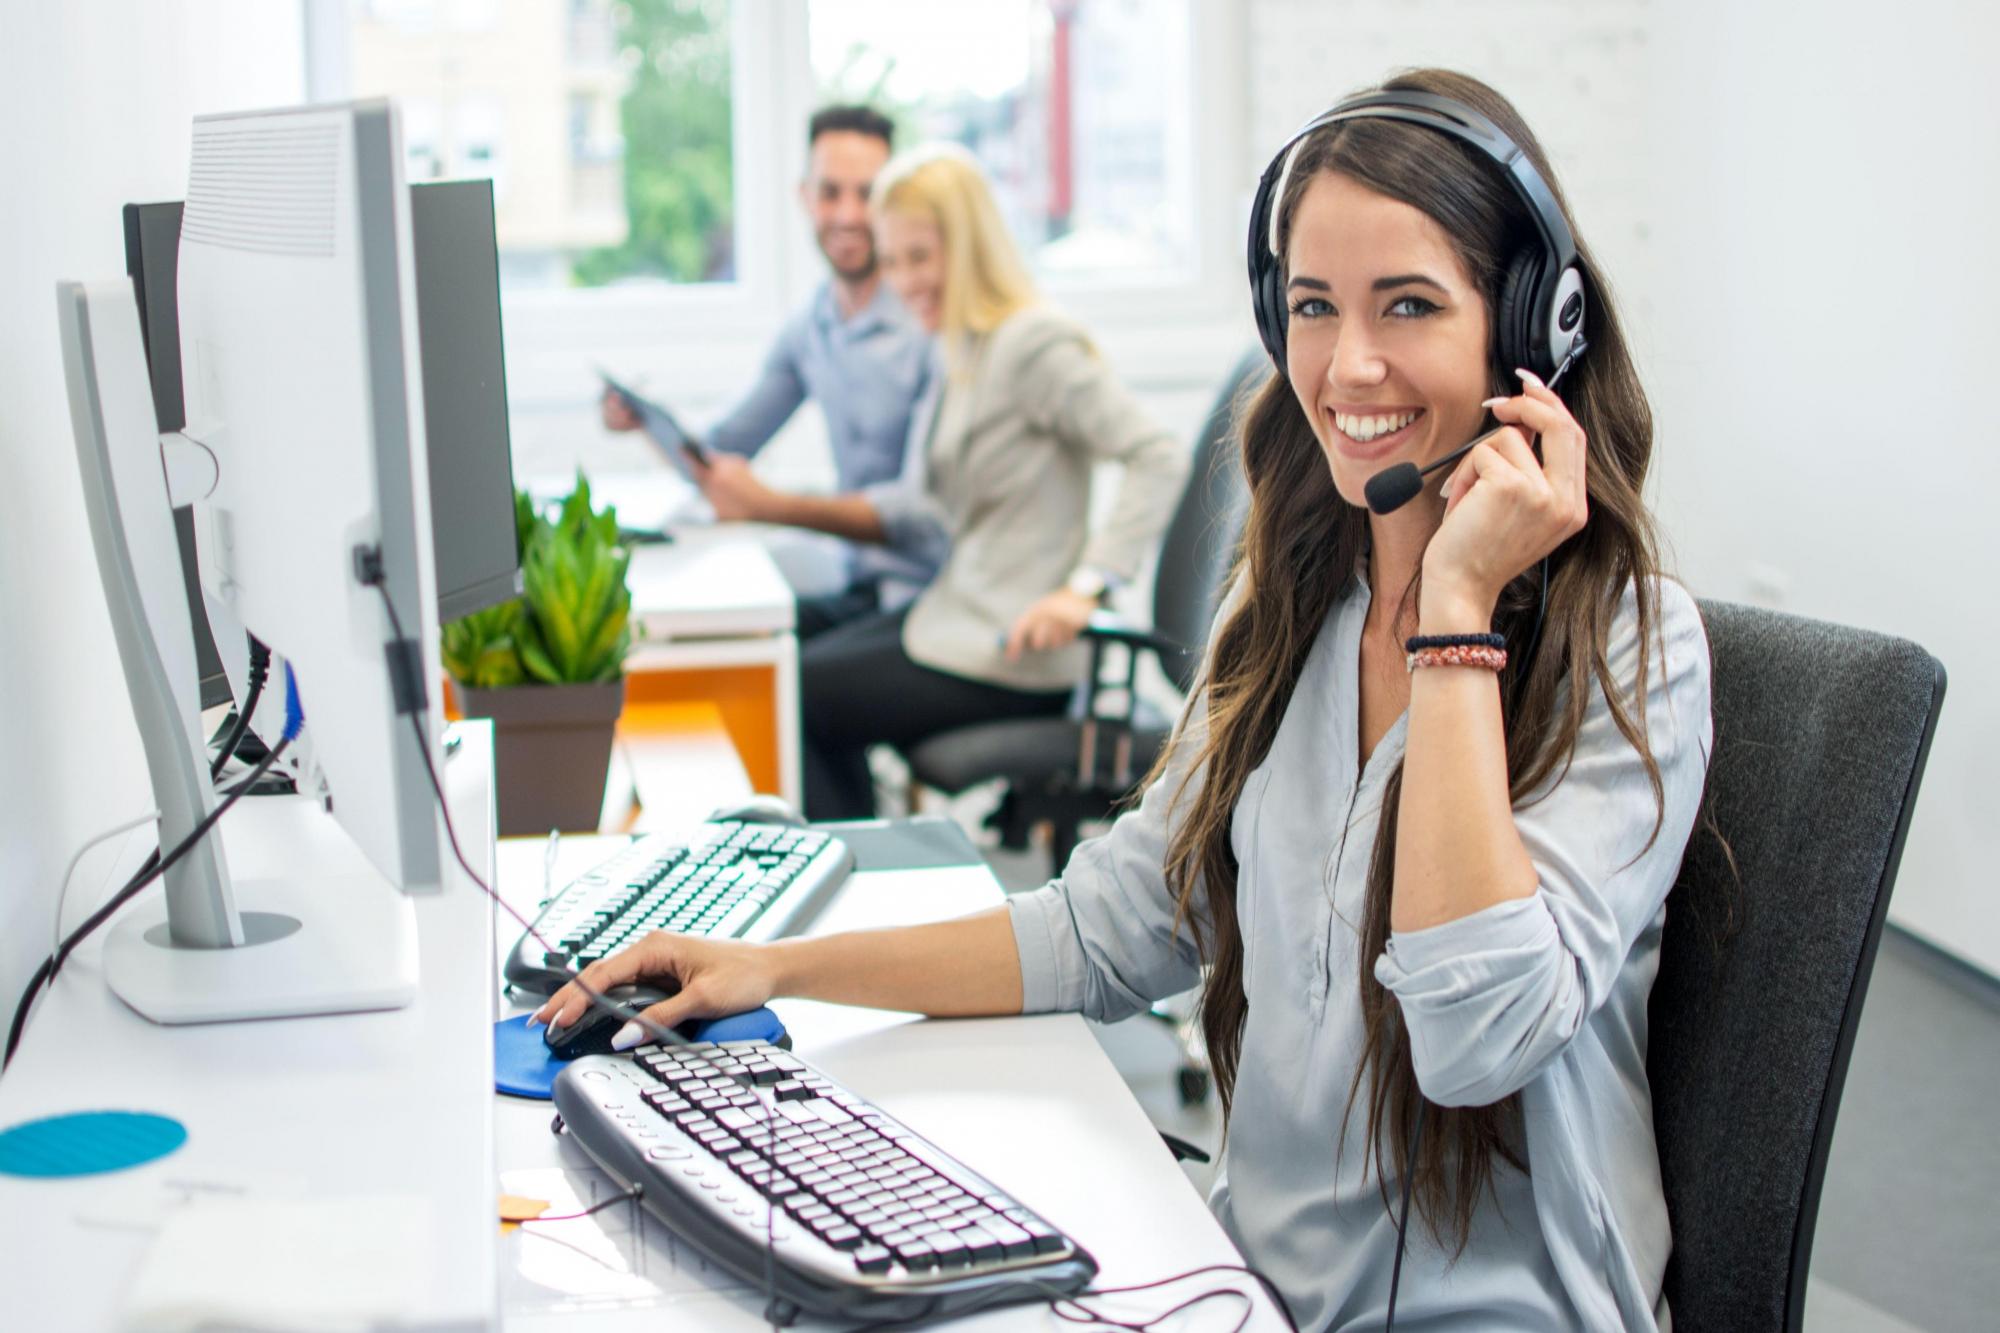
column 856, row 119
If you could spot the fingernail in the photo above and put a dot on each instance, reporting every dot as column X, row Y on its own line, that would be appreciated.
column 1530, row 377
column 1495, row 401
column 1445, row 491
column 628, row 1036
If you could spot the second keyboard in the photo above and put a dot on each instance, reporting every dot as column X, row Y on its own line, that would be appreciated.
column 731, row 880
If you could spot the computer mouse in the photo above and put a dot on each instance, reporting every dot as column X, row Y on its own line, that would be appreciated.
column 761, row 810
column 591, row 1034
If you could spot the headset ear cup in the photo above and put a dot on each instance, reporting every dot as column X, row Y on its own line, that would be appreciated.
column 1274, row 318
column 1514, row 339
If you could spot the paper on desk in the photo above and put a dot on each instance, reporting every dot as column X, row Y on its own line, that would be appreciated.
column 144, row 1200
column 621, row 1258
column 294, row 1265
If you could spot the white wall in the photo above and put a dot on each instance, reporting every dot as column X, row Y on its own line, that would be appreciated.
column 96, row 99
column 1796, row 203
column 1826, row 287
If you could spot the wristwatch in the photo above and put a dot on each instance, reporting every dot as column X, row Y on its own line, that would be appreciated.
column 1088, row 582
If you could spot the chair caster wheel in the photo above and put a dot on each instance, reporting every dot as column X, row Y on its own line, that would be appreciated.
column 1194, row 1085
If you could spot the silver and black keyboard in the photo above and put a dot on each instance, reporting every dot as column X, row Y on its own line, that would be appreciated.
column 735, row 880
column 872, row 1222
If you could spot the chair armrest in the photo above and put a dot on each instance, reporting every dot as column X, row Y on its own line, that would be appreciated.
column 1182, row 1150
column 1110, row 627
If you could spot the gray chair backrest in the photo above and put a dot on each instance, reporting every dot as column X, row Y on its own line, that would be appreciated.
column 1200, row 540
column 1821, row 733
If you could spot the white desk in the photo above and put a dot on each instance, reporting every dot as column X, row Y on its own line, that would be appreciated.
column 401, row 1103
column 714, row 600
column 1032, row 1103
column 397, row 1103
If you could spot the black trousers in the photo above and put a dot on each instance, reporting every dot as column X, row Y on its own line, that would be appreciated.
column 814, row 616
column 859, row 688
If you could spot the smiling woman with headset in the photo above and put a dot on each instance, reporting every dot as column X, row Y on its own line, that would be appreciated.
column 1415, row 833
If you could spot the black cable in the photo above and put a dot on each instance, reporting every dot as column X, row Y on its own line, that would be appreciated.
column 155, row 866
column 1403, row 1221
column 625, row 1196
column 260, row 668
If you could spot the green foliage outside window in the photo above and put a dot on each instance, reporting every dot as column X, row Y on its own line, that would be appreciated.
column 676, row 124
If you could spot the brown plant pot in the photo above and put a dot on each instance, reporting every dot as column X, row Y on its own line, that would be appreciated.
column 551, row 752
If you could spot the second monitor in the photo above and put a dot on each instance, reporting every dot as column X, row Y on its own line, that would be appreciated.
column 461, row 349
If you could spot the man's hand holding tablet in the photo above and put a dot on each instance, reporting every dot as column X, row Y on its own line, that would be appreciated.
column 625, row 409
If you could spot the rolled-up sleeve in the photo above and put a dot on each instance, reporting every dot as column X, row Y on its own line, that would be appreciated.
column 914, row 524
column 1491, row 998
column 779, row 391
column 1102, row 940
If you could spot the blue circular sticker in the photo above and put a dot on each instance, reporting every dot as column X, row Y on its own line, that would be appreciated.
column 86, row 1142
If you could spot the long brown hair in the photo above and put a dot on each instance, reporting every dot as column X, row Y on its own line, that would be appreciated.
column 1302, row 544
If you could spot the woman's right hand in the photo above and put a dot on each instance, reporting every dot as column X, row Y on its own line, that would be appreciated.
column 716, row 978
column 616, row 412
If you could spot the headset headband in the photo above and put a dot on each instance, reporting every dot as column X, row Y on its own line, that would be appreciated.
column 1461, row 122
column 1554, row 301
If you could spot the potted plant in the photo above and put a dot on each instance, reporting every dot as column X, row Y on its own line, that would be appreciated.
column 548, row 667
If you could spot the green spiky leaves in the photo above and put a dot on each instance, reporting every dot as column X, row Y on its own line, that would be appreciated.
column 572, row 623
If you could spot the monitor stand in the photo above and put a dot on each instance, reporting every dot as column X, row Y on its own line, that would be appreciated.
column 311, row 945
column 315, row 944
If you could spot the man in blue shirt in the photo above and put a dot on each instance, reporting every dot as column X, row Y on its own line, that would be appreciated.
column 852, row 349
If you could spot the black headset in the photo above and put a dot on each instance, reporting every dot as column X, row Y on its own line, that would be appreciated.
column 1539, row 321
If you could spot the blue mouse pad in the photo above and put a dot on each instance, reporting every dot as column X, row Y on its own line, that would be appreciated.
column 523, row 1067
column 87, row 1142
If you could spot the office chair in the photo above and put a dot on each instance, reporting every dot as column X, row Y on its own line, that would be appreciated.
column 1821, row 733
column 1075, row 768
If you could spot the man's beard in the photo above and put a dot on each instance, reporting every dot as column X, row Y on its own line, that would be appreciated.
column 855, row 274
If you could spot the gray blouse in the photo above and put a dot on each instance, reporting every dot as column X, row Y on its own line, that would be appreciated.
column 1545, row 996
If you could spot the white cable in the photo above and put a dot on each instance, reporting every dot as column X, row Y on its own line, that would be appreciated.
column 74, row 861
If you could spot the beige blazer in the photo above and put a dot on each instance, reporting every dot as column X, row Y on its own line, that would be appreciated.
column 1006, row 471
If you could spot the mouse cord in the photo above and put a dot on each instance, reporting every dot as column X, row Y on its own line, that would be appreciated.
column 658, row 1032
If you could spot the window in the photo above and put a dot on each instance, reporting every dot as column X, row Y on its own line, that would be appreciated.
column 620, row 114
column 645, row 154
column 1076, row 109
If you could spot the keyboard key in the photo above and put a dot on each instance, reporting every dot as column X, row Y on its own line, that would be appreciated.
column 950, row 1250
column 1016, row 1243
column 980, row 1242
column 1047, row 1240
column 872, row 1259
column 916, row 1255
column 842, row 1237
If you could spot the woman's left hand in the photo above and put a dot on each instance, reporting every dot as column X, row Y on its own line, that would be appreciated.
column 1052, row 622
column 733, row 490
column 1505, row 509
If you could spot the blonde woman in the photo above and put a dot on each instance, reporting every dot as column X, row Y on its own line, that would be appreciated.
column 996, row 487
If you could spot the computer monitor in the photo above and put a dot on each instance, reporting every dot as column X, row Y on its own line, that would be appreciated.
column 152, row 253
column 465, row 394
column 304, row 455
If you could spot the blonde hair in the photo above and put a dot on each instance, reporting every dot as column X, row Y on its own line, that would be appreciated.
column 985, row 279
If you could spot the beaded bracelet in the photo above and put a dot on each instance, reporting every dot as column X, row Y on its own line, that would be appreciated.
column 1417, row 642
column 1468, row 655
